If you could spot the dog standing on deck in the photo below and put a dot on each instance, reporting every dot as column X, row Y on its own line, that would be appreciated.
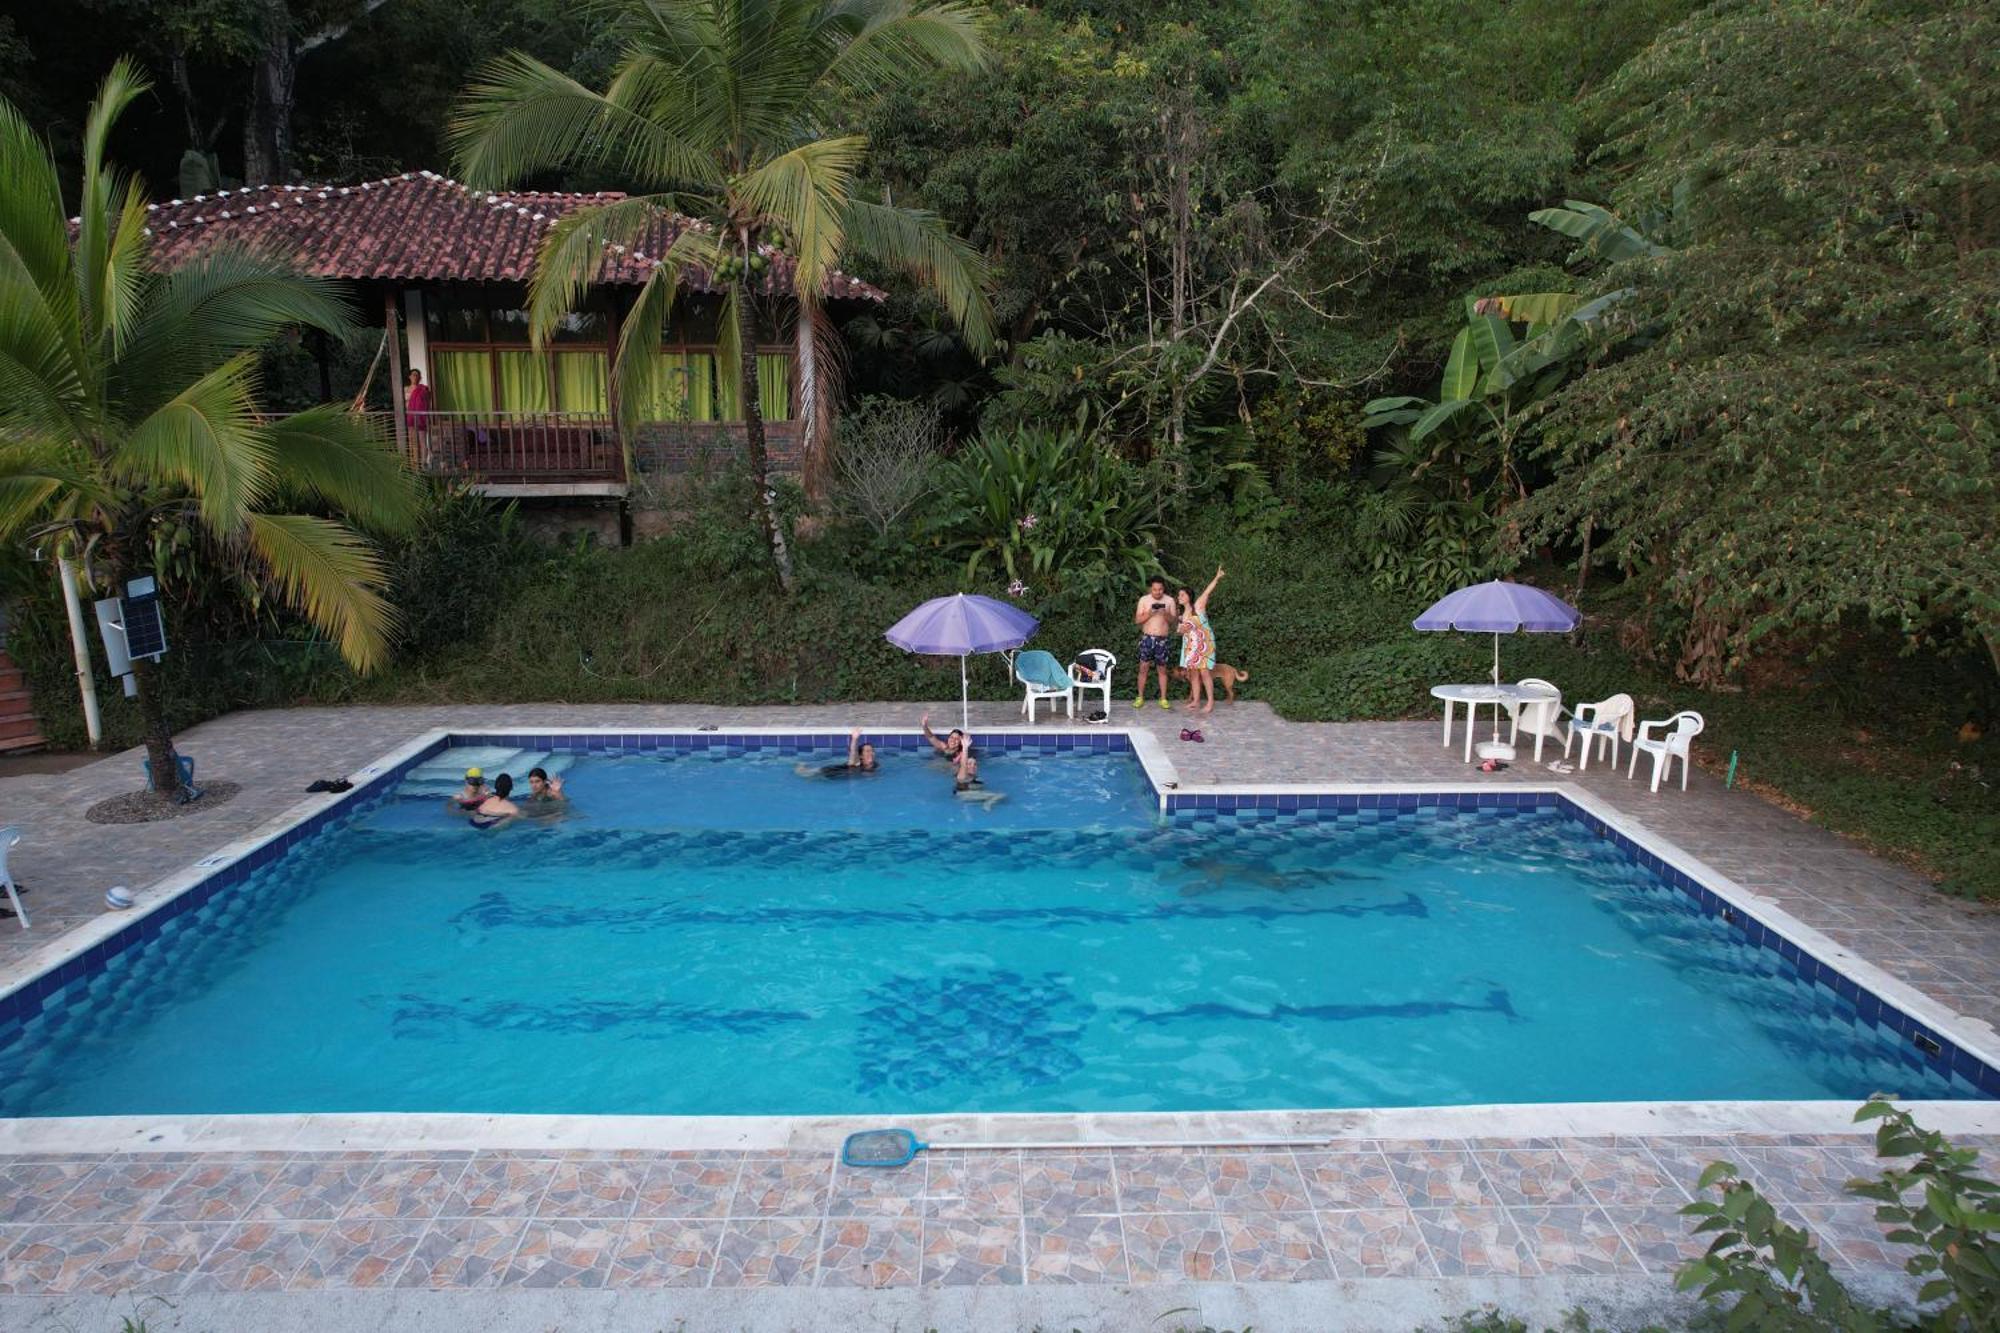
column 1225, row 675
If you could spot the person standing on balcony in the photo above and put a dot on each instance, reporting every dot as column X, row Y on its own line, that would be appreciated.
column 417, row 413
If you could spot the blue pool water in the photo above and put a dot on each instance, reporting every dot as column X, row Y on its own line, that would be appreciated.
column 717, row 935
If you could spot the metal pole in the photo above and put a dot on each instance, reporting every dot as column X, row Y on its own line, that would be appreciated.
column 964, row 699
column 86, row 685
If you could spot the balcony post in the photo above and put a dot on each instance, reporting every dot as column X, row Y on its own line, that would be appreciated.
column 392, row 330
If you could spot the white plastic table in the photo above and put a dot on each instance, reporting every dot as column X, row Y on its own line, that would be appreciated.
column 1499, row 696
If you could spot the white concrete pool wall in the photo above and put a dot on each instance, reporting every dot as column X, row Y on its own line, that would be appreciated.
column 388, row 1131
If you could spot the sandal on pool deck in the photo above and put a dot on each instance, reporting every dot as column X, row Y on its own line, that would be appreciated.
column 1190, row 734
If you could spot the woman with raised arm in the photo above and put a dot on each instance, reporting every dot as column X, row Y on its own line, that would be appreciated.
column 1198, row 646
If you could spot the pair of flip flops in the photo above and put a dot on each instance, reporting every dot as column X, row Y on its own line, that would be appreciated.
column 1192, row 734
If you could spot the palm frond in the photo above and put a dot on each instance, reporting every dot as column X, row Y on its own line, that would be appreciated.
column 128, row 270
column 33, row 475
column 341, row 458
column 919, row 244
column 809, row 189
column 206, row 438
column 574, row 251
column 332, row 577
column 688, row 90
column 638, row 368
column 34, row 243
column 41, row 389
column 522, row 117
column 223, row 303
column 103, row 202
column 893, row 40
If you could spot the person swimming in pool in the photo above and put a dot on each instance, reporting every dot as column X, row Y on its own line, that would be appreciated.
column 543, row 789
column 473, row 793
column 860, row 761
column 951, row 744
column 965, row 783
column 496, row 809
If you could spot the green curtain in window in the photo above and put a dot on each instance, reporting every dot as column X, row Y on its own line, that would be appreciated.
column 524, row 382
column 687, row 389
column 774, row 388
column 581, row 382
column 774, row 385
column 461, row 382
column 728, row 392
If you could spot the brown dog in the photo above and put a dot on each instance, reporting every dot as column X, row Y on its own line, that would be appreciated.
column 1225, row 675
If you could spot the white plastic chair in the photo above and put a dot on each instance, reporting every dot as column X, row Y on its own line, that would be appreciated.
column 1685, row 726
column 1537, row 717
column 1041, row 685
column 9, row 836
column 1607, row 718
column 1103, row 663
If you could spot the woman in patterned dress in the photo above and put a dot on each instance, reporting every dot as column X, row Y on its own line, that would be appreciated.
column 1198, row 646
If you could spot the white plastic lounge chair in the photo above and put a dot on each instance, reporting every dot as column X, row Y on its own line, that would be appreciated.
column 1102, row 663
column 8, row 837
column 1537, row 717
column 1610, row 719
column 1681, row 729
column 1044, row 678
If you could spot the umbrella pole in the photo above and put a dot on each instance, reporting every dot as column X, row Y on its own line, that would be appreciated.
column 1496, row 685
column 964, row 698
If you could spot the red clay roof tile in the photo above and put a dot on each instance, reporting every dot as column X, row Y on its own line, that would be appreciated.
column 419, row 226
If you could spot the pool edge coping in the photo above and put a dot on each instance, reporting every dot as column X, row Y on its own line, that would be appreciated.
column 404, row 1131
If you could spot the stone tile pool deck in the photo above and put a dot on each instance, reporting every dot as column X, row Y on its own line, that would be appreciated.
column 167, row 1223
column 1394, row 1226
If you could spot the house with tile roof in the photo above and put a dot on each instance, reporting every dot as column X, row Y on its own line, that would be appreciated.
column 445, row 269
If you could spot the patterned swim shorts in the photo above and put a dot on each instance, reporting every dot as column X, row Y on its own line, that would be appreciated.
column 1156, row 648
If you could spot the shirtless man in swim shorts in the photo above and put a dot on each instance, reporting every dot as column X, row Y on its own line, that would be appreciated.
column 1156, row 618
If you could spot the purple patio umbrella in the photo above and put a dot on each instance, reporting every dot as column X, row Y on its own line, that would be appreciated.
column 959, row 626
column 1498, row 608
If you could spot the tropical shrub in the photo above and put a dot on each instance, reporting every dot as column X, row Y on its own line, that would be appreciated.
column 1306, row 433
column 1772, row 1275
column 457, row 535
column 887, row 453
column 1044, row 512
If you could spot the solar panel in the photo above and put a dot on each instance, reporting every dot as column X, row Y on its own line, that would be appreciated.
column 145, row 630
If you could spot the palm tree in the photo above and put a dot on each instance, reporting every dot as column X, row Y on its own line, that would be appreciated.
column 128, row 405
column 720, row 110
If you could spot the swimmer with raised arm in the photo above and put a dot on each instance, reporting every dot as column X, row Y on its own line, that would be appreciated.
column 860, row 761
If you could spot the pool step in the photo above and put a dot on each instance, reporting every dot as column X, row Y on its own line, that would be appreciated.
column 446, row 773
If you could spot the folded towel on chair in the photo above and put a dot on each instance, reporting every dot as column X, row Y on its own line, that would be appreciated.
column 1041, row 670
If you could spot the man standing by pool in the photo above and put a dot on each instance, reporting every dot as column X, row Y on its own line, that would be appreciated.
column 1156, row 618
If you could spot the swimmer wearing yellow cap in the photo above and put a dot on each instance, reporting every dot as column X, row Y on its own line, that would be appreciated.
column 473, row 794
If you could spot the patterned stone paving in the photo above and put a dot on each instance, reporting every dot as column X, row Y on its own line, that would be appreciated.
column 192, row 1222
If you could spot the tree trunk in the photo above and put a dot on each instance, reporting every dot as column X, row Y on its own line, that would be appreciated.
column 160, row 752
column 753, row 436
column 267, row 122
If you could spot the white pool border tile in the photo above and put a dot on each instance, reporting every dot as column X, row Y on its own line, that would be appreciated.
column 407, row 1132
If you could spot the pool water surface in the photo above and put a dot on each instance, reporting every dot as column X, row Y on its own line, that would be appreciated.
column 714, row 934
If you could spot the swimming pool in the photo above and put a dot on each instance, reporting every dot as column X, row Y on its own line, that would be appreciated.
column 707, row 932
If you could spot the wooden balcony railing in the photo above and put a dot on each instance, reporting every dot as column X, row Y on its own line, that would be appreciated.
column 517, row 447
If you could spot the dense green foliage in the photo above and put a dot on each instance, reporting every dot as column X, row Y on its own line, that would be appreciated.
column 1815, row 434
